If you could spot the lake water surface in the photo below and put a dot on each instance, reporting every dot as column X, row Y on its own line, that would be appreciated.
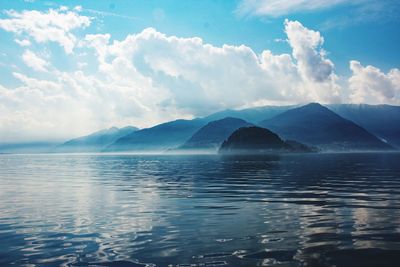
column 209, row 210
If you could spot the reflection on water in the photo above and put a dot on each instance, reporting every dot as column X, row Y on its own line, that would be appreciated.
column 130, row 210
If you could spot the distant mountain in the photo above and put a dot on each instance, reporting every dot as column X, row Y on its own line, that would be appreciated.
column 214, row 133
column 314, row 124
column 252, row 115
column 381, row 120
column 160, row 137
column 28, row 147
column 97, row 141
column 258, row 140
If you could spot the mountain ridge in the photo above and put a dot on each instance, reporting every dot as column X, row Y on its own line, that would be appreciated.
column 211, row 135
column 159, row 137
column 381, row 120
column 96, row 141
column 314, row 124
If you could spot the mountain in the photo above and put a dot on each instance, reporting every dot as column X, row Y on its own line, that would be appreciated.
column 252, row 115
column 381, row 120
column 95, row 141
column 314, row 124
column 258, row 140
column 28, row 147
column 160, row 137
column 214, row 133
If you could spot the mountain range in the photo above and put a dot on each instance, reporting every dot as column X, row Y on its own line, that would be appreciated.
column 97, row 141
column 381, row 120
column 158, row 138
column 329, row 127
column 251, row 115
column 314, row 124
column 214, row 133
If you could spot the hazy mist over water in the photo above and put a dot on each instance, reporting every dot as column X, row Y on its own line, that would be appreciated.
column 204, row 210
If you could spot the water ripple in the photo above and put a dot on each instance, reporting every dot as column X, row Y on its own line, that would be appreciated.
column 132, row 210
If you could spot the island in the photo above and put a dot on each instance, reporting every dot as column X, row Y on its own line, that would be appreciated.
column 257, row 140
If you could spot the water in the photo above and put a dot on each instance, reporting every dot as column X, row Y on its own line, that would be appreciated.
column 130, row 210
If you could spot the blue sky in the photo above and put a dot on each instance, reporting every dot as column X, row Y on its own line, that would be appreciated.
column 368, row 32
column 85, row 65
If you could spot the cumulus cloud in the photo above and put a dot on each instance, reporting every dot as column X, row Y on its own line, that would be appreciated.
column 99, row 42
column 369, row 84
column 70, row 104
column 306, row 45
column 53, row 25
column 34, row 61
column 217, row 77
column 150, row 77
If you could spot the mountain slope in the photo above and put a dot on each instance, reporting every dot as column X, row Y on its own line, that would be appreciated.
column 214, row 133
column 252, row 115
column 314, row 124
column 95, row 141
column 381, row 120
column 160, row 137
column 258, row 140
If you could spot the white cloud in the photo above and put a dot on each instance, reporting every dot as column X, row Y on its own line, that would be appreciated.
column 99, row 42
column 306, row 45
column 63, row 8
column 34, row 61
column 276, row 8
column 369, row 84
column 69, row 104
column 217, row 77
column 23, row 42
column 54, row 25
column 150, row 77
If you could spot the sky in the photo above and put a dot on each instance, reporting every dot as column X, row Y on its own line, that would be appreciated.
column 68, row 68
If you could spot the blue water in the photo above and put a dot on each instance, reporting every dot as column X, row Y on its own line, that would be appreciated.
column 130, row 210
